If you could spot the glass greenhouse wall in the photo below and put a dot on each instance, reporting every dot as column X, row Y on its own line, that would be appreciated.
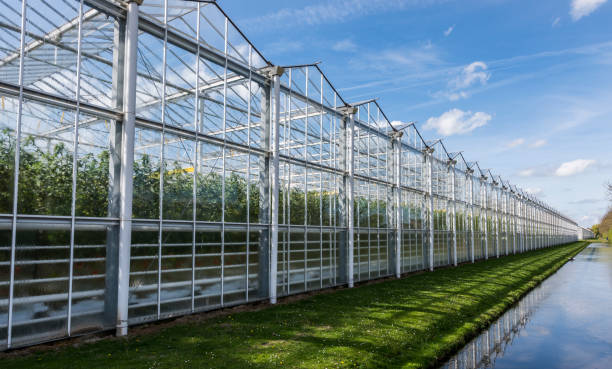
column 153, row 163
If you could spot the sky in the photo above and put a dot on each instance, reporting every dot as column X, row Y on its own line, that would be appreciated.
column 521, row 86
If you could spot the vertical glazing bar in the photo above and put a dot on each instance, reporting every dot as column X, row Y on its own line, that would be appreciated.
column 263, row 271
column 287, row 235
column 127, row 166
column 248, row 180
column 225, row 50
column 196, row 127
column 321, row 186
column 16, row 175
column 162, row 164
column 74, row 168
column 350, row 215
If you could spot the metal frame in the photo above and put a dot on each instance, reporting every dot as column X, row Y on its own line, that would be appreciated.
column 229, row 179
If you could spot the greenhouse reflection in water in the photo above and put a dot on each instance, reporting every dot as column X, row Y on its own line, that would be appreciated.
column 493, row 343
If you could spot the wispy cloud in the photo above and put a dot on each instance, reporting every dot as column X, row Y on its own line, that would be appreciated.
column 515, row 143
column 346, row 45
column 440, row 72
column 587, row 201
column 527, row 172
column 536, row 191
column 331, row 12
column 282, row 47
column 449, row 31
column 538, row 144
column 457, row 121
column 582, row 8
column 573, row 167
column 419, row 58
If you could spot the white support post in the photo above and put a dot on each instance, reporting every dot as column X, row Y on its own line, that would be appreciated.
column 471, row 177
column 454, row 213
column 348, row 155
column 485, row 218
column 506, row 218
column 351, row 203
column 513, row 199
column 430, row 204
column 274, row 73
column 127, row 166
column 496, row 198
column 397, row 198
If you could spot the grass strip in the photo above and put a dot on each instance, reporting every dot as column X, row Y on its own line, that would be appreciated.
column 414, row 322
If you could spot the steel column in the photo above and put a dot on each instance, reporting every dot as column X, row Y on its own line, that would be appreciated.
column 350, row 227
column 496, row 198
column 472, row 214
column 430, row 204
column 127, row 166
column 454, row 213
column 275, row 74
column 485, row 218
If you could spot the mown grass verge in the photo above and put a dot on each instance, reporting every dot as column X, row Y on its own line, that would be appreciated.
column 412, row 322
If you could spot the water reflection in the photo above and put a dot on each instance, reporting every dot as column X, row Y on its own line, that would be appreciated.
column 482, row 351
column 564, row 323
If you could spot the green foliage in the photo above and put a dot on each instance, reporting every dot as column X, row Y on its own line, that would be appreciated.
column 45, row 188
column 7, row 164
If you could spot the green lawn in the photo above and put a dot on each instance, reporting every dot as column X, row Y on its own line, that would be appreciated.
column 407, row 323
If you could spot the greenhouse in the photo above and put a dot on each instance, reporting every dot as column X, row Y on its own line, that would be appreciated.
column 153, row 163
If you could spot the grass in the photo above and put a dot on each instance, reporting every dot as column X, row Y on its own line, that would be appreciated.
column 412, row 322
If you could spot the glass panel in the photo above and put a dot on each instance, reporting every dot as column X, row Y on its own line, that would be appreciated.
column 143, row 275
column 145, row 203
column 40, row 305
column 208, row 270
column 8, row 119
column 89, row 283
column 45, row 180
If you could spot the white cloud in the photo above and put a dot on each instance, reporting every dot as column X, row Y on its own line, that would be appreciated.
column 573, row 167
column 331, row 12
column 345, row 45
column 419, row 59
column 515, row 143
column 538, row 143
column 457, row 121
column 449, row 31
column 526, row 172
column 582, row 8
column 472, row 74
column 536, row 191
column 469, row 76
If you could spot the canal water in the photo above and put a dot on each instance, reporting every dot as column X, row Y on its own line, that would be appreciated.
column 566, row 322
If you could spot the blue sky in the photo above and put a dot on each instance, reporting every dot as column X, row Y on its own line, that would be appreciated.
column 523, row 87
